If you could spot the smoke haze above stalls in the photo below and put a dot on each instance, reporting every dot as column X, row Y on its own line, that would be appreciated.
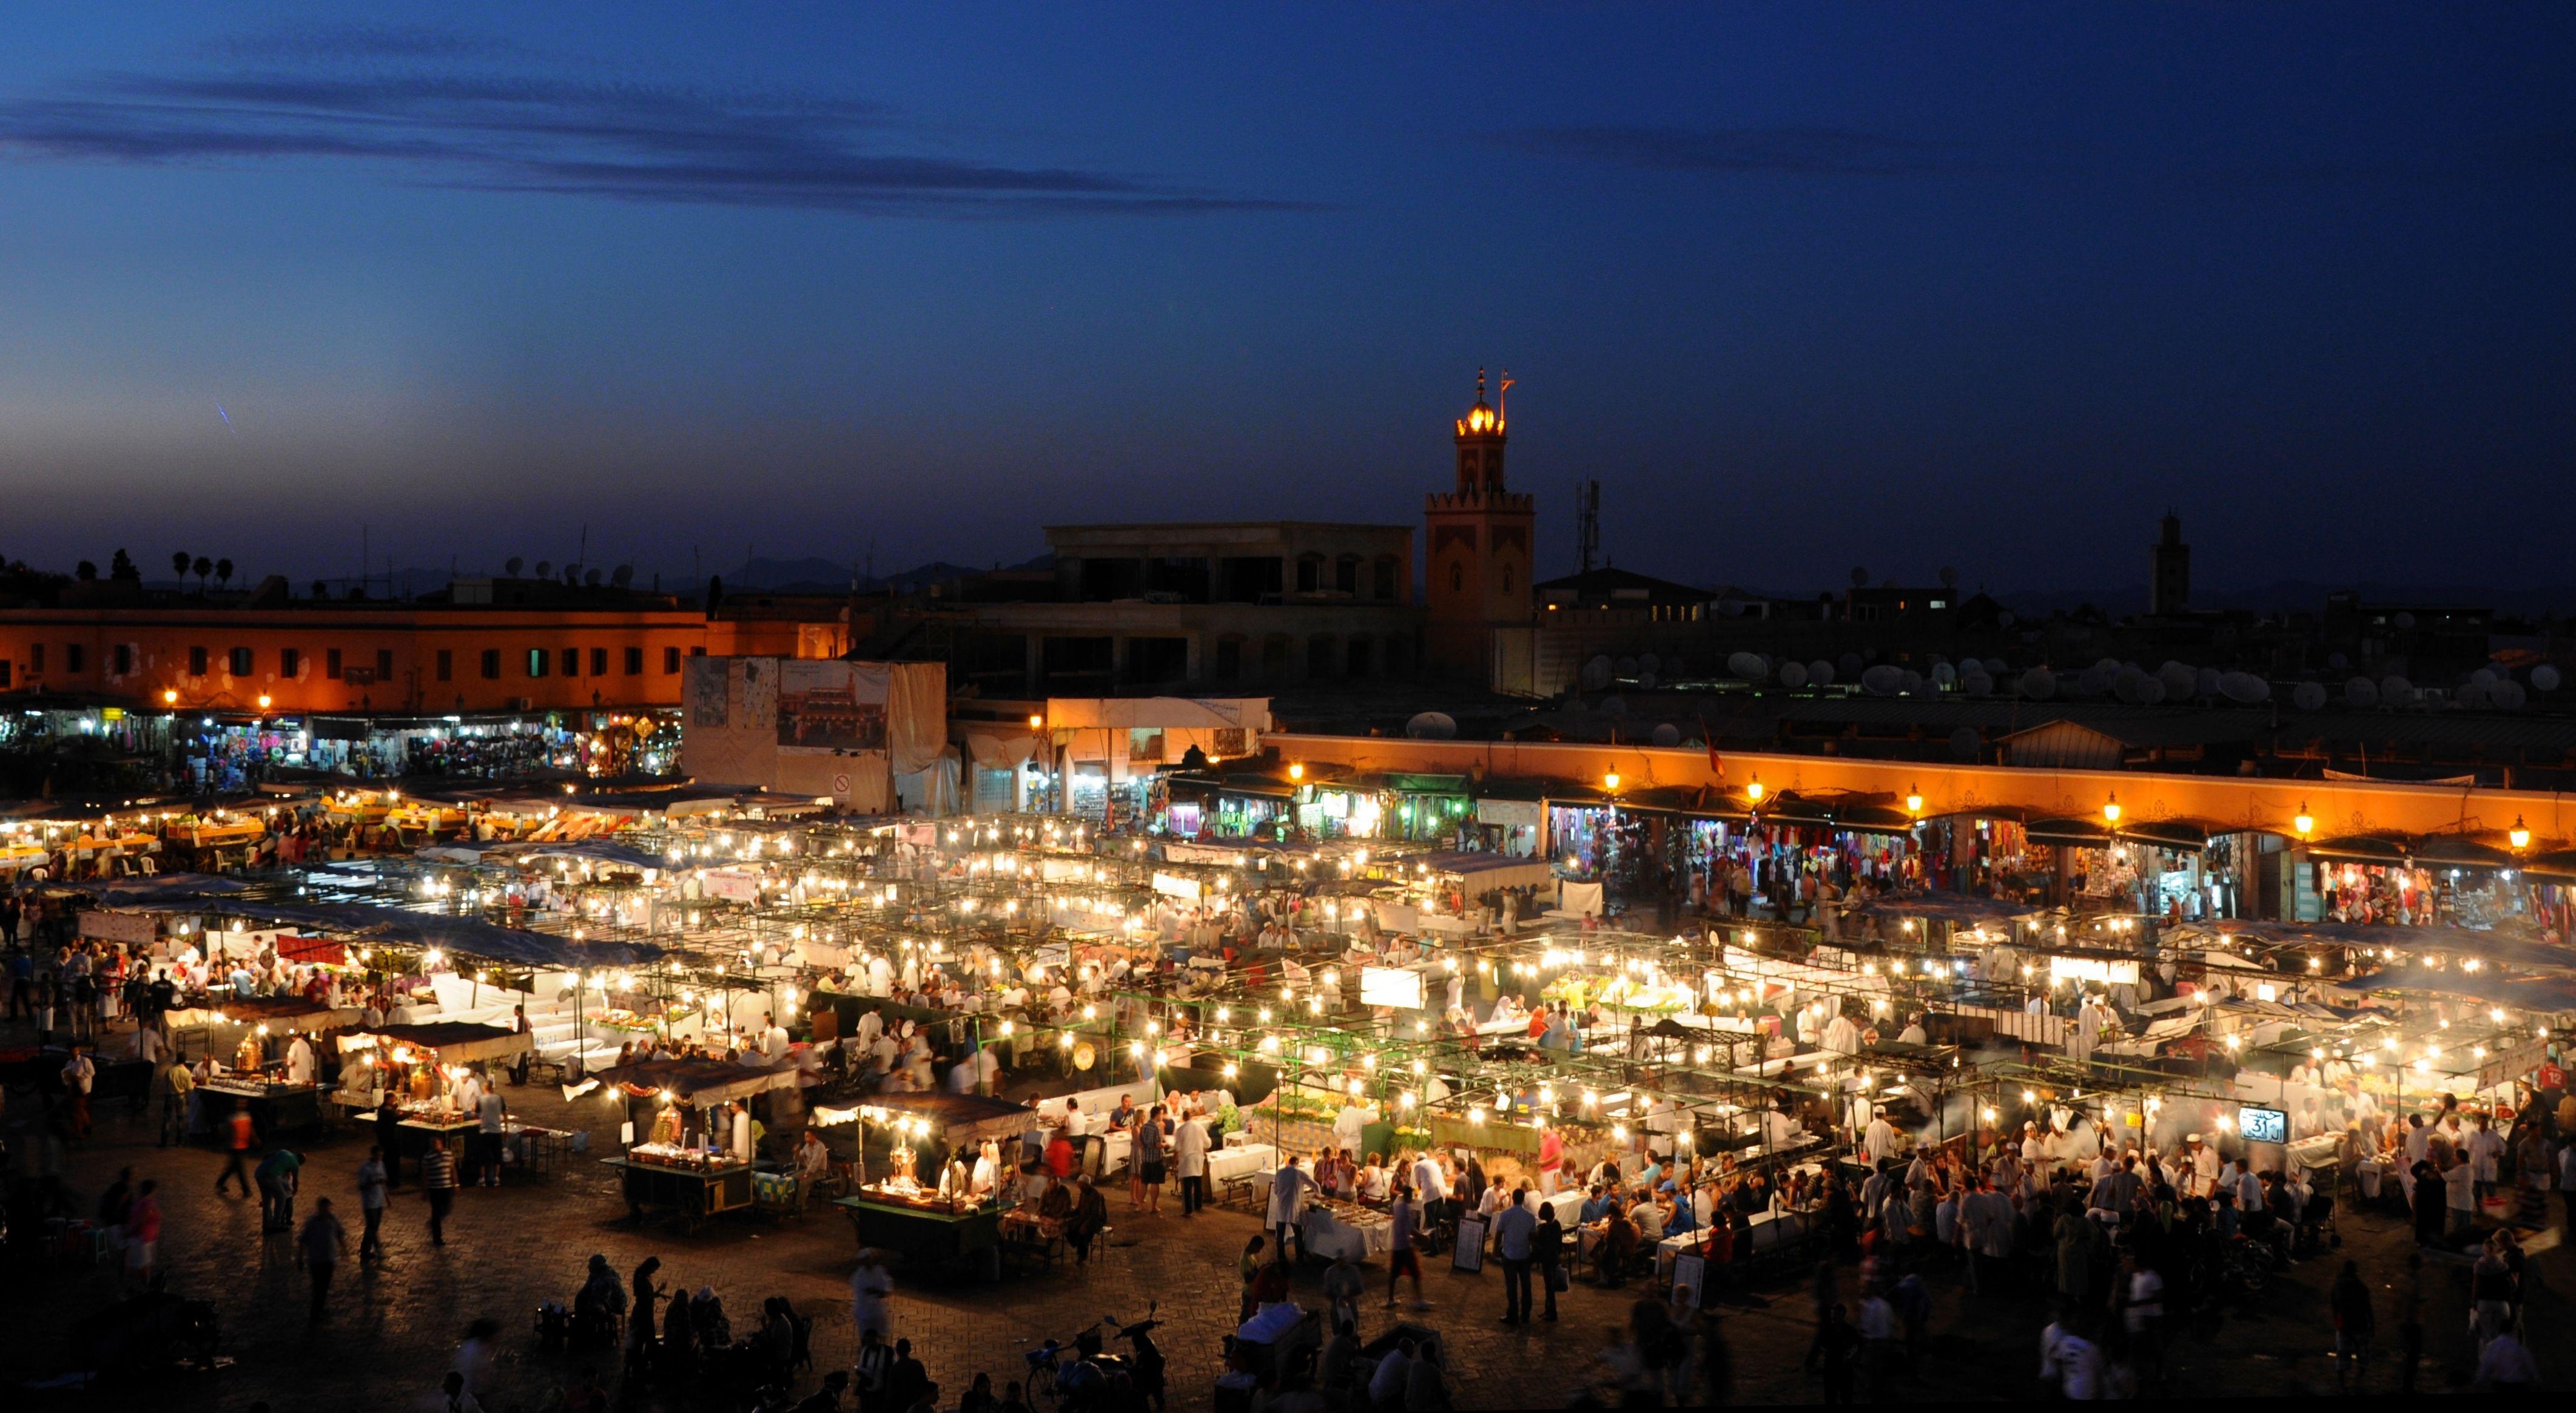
column 1805, row 287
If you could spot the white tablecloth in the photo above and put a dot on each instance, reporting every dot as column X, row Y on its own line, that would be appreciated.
column 1568, row 1205
column 1228, row 1164
column 1328, row 1236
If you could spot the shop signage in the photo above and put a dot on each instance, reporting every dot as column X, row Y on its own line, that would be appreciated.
column 1391, row 986
column 2514, row 1063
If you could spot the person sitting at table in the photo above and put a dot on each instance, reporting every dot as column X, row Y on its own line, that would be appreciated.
column 1617, row 1250
column 1595, row 1207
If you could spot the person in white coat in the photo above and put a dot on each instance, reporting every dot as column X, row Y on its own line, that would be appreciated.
column 300, row 1068
column 1879, row 1140
column 1289, row 1189
column 2484, row 1146
column 1190, row 1155
column 1841, row 1036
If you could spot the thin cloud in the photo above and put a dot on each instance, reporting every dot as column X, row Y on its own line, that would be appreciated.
column 488, row 130
column 1791, row 151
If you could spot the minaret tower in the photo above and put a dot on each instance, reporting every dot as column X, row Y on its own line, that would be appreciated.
column 1477, row 559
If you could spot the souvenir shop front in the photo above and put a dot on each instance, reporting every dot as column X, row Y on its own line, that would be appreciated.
column 1984, row 854
column 1436, row 809
column 2457, row 882
column 1191, row 805
column 1338, row 809
column 2154, row 870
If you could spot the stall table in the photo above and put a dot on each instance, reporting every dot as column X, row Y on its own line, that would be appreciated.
column 275, row 1108
column 1232, row 1169
column 1332, row 1229
column 411, row 1137
column 922, row 1233
column 694, row 1188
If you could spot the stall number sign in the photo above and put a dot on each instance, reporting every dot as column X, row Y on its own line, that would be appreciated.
column 1391, row 986
column 2108, row 973
column 2513, row 1063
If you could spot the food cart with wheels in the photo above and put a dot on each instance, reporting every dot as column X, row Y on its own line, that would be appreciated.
column 418, row 1066
column 687, row 1160
column 959, row 1214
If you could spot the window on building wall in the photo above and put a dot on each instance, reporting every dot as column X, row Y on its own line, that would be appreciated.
column 36, row 659
column 384, row 664
column 1457, row 578
column 599, row 662
column 446, row 664
column 1357, row 658
column 124, row 656
column 670, row 662
column 242, row 664
column 634, row 662
column 1229, row 659
column 572, row 662
column 538, row 660
column 1507, row 578
column 331, row 663
column 491, row 664
column 75, row 657
column 290, row 663
column 1310, row 573
column 1346, row 574
column 196, row 662
column 1385, row 576
column 5, row 667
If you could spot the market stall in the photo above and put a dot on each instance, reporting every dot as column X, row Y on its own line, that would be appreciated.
column 696, row 1158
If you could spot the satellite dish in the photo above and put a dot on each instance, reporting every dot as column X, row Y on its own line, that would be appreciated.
column 2545, row 678
column 591, row 577
column 1793, row 675
column 545, row 569
column 2507, row 695
column 2096, row 680
column 2308, row 696
column 1667, row 734
column 2151, row 689
column 2178, row 680
column 1848, row 666
column 2394, row 690
column 1431, row 726
column 1648, row 662
column 2360, row 692
column 2404, row 620
column 1964, row 743
column 2243, row 687
column 2129, row 685
column 622, row 575
column 1596, row 674
column 1883, row 680
column 1977, row 684
column 1646, row 679
column 1859, row 577
column 2039, row 684
column 1625, row 669
column 2483, row 677
column 1747, row 667
column 2471, row 693
column 512, row 567
column 2207, row 686
column 1614, row 706
column 1820, row 673
column 1944, row 675
column 1911, row 684
column 1994, row 667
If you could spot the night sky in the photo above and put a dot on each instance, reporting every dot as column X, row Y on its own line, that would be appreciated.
column 1807, row 286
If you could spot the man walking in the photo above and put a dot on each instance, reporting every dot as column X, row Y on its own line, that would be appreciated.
column 322, row 1243
column 1514, row 1226
column 237, row 1144
column 280, row 1174
column 1190, row 1149
column 438, row 1178
column 371, row 1204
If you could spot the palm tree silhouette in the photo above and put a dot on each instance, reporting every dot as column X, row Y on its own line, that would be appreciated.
column 179, row 566
column 224, row 572
column 204, row 567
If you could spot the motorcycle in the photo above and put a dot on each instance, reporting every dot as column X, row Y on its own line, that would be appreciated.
column 1145, row 1361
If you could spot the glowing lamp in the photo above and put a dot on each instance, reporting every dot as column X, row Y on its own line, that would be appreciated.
column 2303, row 822
column 1914, row 800
column 2520, row 836
column 1297, row 772
column 1610, row 781
column 2111, row 810
column 1753, row 792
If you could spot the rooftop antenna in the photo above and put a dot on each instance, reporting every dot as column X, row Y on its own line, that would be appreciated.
column 1587, row 523
column 1501, row 395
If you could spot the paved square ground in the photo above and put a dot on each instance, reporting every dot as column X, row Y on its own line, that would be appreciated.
column 391, row 1328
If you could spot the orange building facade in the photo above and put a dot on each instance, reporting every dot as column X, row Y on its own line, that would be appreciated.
column 336, row 657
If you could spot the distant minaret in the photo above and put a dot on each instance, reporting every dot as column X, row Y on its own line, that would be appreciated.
column 2169, row 572
column 1477, row 554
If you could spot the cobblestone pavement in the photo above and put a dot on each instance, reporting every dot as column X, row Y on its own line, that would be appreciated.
column 387, row 1337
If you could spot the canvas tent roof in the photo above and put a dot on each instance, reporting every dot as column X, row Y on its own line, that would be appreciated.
column 701, row 1082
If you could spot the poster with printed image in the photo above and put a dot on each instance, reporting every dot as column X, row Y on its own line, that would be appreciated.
column 832, row 705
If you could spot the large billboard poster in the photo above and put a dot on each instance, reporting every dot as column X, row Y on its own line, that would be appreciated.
column 834, row 706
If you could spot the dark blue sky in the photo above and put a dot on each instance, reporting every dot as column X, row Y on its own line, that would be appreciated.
column 1806, row 286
